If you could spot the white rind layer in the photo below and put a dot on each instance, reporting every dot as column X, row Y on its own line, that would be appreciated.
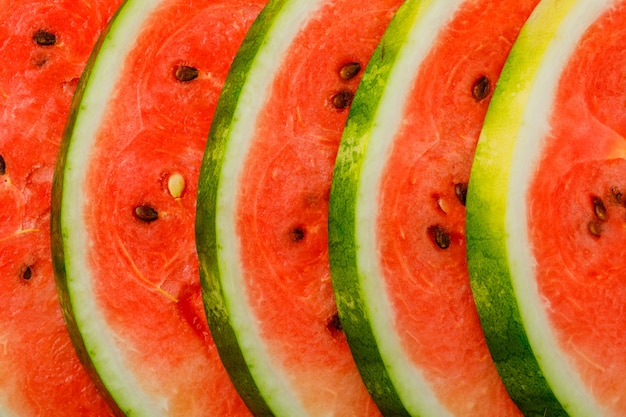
column 99, row 339
column 414, row 392
column 535, row 127
column 271, row 380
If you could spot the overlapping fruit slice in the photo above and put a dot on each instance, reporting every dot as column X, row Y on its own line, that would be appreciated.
column 124, row 206
column 43, row 54
column 397, row 208
column 263, row 206
column 546, row 215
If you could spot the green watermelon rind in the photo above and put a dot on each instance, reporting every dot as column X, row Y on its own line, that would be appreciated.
column 536, row 374
column 264, row 388
column 357, row 277
column 87, row 326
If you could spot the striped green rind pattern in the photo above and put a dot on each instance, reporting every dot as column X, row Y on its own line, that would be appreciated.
column 487, row 232
column 207, row 244
column 343, row 246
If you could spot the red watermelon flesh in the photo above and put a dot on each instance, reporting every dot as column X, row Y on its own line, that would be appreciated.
column 283, row 205
column 421, row 213
column 578, row 212
column 40, row 373
column 145, row 271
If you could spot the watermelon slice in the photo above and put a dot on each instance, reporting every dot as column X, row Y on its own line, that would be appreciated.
column 263, row 206
column 44, row 47
column 546, row 213
column 397, row 214
column 124, row 206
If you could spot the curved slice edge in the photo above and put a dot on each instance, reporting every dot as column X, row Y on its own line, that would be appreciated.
column 88, row 328
column 501, row 266
column 232, row 322
column 365, row 313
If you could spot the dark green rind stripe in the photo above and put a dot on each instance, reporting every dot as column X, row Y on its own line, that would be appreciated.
column 490, row 274
column 214, row 299
column 56, row 228
column 351, row 302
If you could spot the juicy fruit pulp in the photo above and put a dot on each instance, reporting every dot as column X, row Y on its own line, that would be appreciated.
column 262, row 235
column 134, row 151
column 541, row 245
column 397, row 206
column 43, row 56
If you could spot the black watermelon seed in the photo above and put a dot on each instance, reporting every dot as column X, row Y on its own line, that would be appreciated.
column 44, row 38
column 3, row 166
column 440, row 236
column 146, row 213
column 185, row 73
column 460, row 189
column 343, row 99
column 27, row 273
column 349, row 71
column 481, row 88
column 297, row 234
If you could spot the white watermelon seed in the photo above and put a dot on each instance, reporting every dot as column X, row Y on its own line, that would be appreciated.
column 176, row 184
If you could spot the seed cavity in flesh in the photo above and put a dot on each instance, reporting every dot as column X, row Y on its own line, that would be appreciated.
column 617, row 195
column 440, row 236
column 349, row 71
column 145, row 213
column 334, row 325
column 342, row 99
column 185, row 73
column 599, row 209
column 297, row 234
column 27, row 273
column 176, row 184
column 460, row 189
column 481, row 88
column 44, row 38
column 3, row 166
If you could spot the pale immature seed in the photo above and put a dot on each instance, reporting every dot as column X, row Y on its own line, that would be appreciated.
column 176, row 184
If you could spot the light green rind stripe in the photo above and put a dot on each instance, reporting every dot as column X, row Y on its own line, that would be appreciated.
column 233, row 323
column 376, row 115
column 70, row 244
column 500, row 262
